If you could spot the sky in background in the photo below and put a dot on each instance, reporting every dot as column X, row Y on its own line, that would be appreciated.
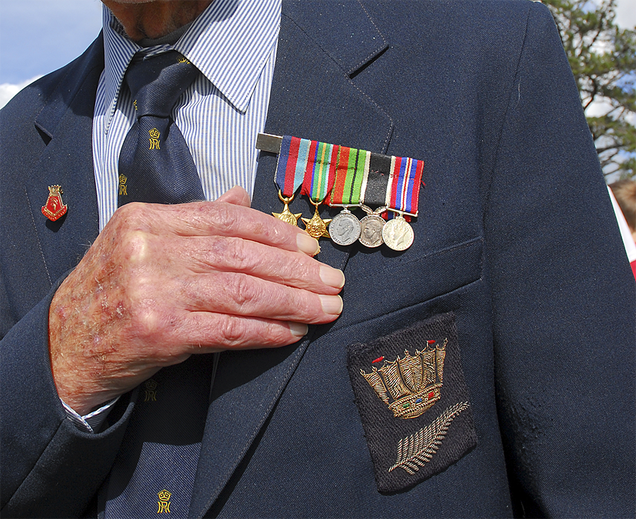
column 39, row 36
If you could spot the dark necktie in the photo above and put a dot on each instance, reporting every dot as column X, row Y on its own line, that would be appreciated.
column 156, row 466
column 157, row 462
column 155, row 164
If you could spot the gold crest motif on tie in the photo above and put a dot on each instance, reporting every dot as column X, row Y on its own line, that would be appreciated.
column 150, row 390
column 123, row 188
column 164, row 502
column 154, row 139
column 54, row 208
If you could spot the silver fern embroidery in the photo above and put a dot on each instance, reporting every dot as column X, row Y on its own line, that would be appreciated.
column 416, row 450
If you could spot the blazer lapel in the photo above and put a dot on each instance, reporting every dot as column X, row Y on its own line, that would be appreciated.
column 66, row 123
column 312, row 97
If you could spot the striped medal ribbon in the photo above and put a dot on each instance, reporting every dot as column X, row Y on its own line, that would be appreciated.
column 319, row 178
column 290, row 172
column 352, row 173
column 402, row 198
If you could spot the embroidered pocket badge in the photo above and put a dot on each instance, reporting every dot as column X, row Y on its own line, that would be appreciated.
column 413, row 402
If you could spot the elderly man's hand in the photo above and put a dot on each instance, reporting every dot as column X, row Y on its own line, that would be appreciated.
column 163, row 282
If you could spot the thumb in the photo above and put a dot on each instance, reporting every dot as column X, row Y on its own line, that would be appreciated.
column 237, row 196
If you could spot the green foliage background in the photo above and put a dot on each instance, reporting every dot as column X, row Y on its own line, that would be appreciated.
column 603, row 60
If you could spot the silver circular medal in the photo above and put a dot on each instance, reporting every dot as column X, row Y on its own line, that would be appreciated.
column 371, row 230
column 398, row 234
column 344, row 229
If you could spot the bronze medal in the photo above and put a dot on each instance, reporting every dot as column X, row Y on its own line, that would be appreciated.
column 371, row 227
column 398, row 234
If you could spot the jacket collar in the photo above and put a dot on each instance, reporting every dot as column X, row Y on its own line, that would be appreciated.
column 86, row 67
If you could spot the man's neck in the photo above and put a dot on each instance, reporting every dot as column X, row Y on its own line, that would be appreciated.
column 168, row 39
column 144, row 19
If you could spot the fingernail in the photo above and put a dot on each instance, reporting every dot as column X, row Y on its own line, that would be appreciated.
column 332, row 277
column 298, row 329
column 307, row 244
column 331, row 305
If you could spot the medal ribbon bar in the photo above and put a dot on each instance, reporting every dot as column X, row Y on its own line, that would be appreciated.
column 360, row 176
column 292, row 162
column 403, row 191
column 321, row 171
column 351, row 178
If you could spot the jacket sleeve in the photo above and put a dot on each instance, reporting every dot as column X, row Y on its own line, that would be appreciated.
column 49, row 468
column 563, row 299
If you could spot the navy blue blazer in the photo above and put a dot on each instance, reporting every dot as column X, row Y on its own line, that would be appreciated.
column 517, row 263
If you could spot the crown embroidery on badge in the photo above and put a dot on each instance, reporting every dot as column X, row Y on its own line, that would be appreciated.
column 411, row 385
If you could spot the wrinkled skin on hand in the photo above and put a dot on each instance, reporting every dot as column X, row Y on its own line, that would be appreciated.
column 162, row 282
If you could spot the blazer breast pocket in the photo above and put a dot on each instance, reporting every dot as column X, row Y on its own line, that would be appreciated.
column 413, row 401
column 378, row 285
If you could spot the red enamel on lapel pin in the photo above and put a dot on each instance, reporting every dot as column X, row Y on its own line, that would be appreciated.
column 54, row 208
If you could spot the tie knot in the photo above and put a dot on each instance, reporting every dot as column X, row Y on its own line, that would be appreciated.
column 156, row 83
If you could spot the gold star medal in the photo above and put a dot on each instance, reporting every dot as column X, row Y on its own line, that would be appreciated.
column 316, row 227
column 290, row 171
column 287, row 215
column 318, row 183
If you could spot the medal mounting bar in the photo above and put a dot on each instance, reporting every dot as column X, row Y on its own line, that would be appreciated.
column 268, row 143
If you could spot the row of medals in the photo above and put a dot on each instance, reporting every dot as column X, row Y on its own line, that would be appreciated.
column 345, row 228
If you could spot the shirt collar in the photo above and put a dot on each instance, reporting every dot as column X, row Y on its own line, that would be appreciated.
column 229, row 43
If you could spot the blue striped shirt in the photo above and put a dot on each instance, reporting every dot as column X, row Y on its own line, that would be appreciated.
column 233, row 44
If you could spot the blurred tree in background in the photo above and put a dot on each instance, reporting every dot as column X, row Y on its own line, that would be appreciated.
column 603, row 59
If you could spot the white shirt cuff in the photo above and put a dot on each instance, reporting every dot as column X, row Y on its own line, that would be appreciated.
column 93, row 420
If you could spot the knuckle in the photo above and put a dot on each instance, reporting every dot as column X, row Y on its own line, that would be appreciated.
column 148, row 316
column 300, row 268
column 223, row 217
column 134, row 246
column 130, row 215
column 237, row 255
column 228, row 252
column 242, row 290
column 277, row 335
column 145, row 320
column 232, row 331
column 170, row 357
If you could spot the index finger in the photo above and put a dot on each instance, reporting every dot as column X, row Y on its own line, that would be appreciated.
column 221, row 219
